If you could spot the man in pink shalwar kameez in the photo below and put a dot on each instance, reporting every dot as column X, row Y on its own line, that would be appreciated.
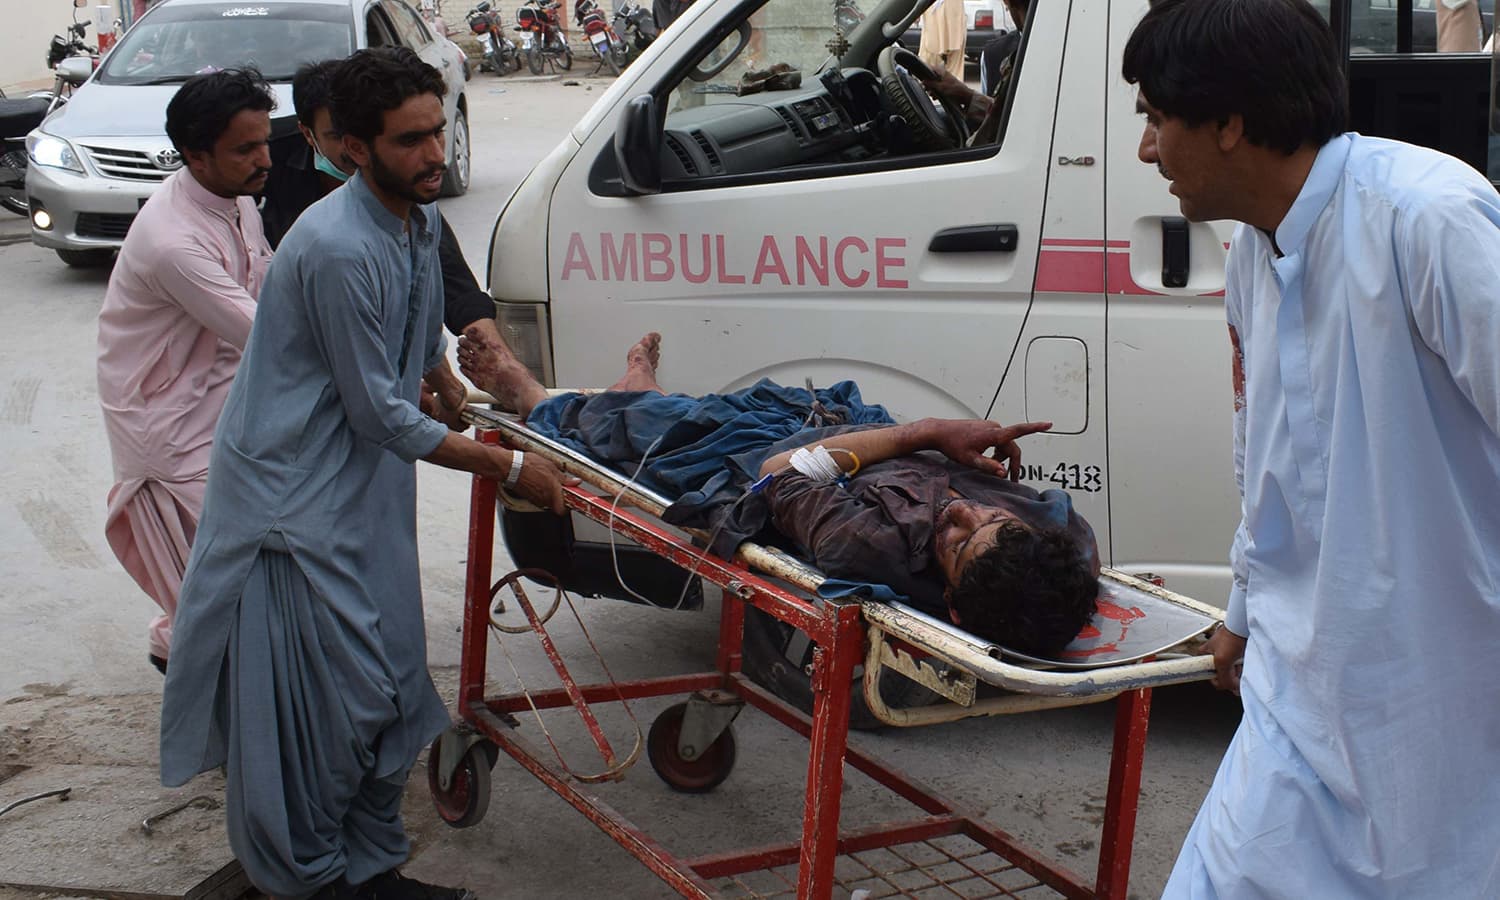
column 175, row 318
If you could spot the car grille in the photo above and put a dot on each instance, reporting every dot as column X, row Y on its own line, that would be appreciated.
column 133, row 165
column 111, row 226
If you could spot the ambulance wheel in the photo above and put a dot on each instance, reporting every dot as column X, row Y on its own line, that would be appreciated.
column 688, row 776
column 467, row 798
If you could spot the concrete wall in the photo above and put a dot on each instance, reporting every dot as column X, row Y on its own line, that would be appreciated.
column 29, row 24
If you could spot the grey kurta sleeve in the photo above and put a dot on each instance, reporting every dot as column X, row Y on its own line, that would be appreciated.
column 344, row 312
column 435, row 352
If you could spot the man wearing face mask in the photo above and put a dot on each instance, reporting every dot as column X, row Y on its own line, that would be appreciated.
column 175, row 318
column 313, row 171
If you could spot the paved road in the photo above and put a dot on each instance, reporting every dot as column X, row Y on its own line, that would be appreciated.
column 72, row 624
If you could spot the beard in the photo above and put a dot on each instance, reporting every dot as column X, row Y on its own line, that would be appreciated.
column 391, row 183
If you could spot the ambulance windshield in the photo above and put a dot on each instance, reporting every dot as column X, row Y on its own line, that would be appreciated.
column 786, row 45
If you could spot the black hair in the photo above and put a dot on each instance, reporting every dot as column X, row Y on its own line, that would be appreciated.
column 202, row 108
column 1032, row 591
column 370, row 83
column 311, row 89
column 1273, row 62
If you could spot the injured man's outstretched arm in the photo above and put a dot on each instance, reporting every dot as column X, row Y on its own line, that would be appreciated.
column 965, row 441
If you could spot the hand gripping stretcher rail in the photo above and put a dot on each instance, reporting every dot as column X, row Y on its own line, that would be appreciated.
column 1144, row 635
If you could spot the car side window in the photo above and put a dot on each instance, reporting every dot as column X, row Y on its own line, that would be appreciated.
column 1494, row 161
column 379, row 30
column 412, row 30
column 769, row 101
column 1437, row 26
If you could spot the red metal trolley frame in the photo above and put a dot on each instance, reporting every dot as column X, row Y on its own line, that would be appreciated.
column 837, row 630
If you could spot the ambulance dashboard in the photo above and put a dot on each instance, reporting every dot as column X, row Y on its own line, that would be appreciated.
column 835, row 120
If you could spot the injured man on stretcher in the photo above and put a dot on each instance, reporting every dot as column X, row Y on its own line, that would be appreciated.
column 916, row 512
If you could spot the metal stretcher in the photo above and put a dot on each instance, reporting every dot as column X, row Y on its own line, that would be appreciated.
column 691, row 744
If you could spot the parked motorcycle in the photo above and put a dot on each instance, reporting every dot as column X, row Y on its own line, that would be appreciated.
column 636, row 24
column 20, row 115
column 70, row 43
column 847, row 15
column 501, row 55
column 542, row 37
column 602, row 37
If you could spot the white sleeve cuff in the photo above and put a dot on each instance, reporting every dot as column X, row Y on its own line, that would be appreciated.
column 1235, row 618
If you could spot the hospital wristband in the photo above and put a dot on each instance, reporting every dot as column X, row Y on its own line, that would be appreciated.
column 514, row 475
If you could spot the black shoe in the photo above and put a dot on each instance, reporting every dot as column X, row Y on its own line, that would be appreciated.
column 338, row 889
column 392, row 885
column 159, row 662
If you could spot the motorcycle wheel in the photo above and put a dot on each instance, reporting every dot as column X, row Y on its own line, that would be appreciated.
column 565, row 58
column 534, row 59
column 613, row 63
column 13, row 165
column 620, row 56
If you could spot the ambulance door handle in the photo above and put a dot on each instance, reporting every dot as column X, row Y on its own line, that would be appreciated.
column 1175, row 258
column 976, row 239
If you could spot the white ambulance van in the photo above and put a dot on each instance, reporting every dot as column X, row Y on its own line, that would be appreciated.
column 833, row 225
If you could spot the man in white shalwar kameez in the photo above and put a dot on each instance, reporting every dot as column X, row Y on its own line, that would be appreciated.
column 1363, row 300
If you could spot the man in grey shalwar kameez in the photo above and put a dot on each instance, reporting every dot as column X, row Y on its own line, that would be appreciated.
column 301, row 661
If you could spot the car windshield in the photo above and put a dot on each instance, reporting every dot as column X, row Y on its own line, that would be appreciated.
column 173, row 43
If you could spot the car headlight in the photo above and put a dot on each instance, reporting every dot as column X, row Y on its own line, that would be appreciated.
column 46, row 150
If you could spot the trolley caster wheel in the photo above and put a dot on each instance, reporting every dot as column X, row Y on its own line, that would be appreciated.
column 689, row 776
column 467, row 797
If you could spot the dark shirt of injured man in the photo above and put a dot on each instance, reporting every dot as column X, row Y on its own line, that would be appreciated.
column 918, row 507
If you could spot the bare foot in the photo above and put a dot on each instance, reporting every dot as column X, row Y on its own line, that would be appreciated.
column 641, row 361
column 485, row 360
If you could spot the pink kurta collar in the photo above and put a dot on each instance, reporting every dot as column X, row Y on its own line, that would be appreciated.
column 204, row 197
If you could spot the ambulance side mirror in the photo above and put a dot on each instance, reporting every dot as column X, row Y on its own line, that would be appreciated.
column 638, row 139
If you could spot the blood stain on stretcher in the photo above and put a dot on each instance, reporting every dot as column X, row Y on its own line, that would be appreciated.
column 1108, row 611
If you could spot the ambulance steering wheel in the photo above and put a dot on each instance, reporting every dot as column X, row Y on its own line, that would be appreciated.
column 935, row 127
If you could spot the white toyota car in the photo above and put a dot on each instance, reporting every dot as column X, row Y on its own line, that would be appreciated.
column 96, row 159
